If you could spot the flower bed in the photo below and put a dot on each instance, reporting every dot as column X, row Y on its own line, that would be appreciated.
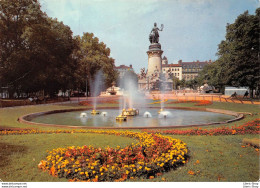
column 252, row 127
column 89, row 103
column 198, row 102
column 153, row 154
column 158, row 101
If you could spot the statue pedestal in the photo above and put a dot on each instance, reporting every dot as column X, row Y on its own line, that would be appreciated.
column 154, row 58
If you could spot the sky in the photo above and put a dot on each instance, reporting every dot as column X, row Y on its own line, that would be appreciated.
column 192, row 28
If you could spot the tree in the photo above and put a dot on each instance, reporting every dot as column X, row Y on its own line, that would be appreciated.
column 92, row 56
column 15, row 18
column 192, row 84
column 36, row 51
column 212, row 74
column 239, row 53
column 176, row 82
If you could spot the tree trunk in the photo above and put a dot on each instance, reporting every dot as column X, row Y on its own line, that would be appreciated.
column 251, row 93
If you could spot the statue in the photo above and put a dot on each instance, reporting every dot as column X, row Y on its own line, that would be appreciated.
column 154, row 35
column 143, row 73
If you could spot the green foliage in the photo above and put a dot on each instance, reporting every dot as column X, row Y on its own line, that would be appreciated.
column 176, row 82
column 92, row 56
column 238, row 63
column 35, row 50
column 239, row 53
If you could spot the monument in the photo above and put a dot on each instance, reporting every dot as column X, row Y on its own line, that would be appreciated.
column 153, row 78
column 154, row 53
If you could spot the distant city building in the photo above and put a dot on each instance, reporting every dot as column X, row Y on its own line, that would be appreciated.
column 175, row 69
column 122, row 69
column 190, row 70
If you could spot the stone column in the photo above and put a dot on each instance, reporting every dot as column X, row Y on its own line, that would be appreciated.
column 154, row 58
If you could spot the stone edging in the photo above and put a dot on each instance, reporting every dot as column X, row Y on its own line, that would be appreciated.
column 27, row 118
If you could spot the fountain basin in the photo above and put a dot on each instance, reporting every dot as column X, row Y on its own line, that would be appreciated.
column 63, row 118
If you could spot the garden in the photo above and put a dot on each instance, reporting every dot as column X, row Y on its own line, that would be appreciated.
column 222, row 152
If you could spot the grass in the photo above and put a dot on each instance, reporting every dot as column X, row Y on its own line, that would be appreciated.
column 221, row 158
column 22, row 153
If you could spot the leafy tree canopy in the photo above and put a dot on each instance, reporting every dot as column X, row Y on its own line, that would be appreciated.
column 238, row 55
column 93, row 56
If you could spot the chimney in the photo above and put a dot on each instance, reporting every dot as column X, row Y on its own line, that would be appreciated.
column 131, row 66
column 180, row 62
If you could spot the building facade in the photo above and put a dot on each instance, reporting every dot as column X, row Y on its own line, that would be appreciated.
column 174, row 69
column 190, row 70
column 184, row 70
column 122, row 69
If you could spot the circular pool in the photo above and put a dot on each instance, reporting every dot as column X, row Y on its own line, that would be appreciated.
column 147, row 118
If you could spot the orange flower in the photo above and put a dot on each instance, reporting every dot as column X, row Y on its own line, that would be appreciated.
column 53, row 171
column 191, row 172
column 151, row 177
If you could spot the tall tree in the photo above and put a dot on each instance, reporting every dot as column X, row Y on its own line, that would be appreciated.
column 239, row 53
column 93, row 56
column 15, row 18
column 36, row 51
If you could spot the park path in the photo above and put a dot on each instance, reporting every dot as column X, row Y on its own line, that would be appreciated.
column 197, row 97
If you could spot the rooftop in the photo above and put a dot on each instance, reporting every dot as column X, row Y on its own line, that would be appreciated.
column 124, row 67
column 171, row 65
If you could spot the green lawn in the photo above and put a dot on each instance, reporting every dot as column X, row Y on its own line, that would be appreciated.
column 221, row 158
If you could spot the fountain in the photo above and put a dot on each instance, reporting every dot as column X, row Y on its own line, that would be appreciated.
column 121, row 118
column 161, row 110
column 164, row 114
column 147, row 114
column 131, row 100
column 104, row 114
column 95, row 112
column 130, row 96
column 96, row 87
column 130, row 112
column 83, row 115
column 181, row 117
